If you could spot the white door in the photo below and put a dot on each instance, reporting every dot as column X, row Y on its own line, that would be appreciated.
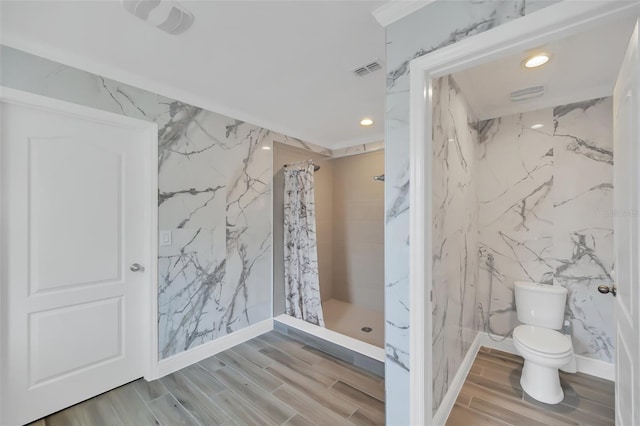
column 626, row 104
column 74, row 220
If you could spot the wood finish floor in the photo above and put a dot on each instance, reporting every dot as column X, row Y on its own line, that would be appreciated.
column 269, row 380
column 491, row 395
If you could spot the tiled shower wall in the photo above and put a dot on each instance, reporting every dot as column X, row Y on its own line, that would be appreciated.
column 214, row 196
column 358, row 230
column 437, row 25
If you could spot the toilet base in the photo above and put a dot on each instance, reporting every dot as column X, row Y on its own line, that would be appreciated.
column 541, row 383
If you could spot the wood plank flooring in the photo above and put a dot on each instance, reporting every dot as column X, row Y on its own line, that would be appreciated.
column 269, row 380
column 491, row 395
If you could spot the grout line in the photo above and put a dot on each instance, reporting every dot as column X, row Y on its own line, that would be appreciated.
column 241, row 372
column 186, row 411
column 500, row 422
column 469, row 403
column 496, row 392
column 146, row 404
column 295, row 413
column 44, row 423
column 257, row 351
column 350, row 382
column 178, row 401
column 273, row 391
column 152, row 399
column 251, row 403
column 353, row 414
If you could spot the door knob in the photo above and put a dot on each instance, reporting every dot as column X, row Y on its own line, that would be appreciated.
column 604, row 289
column 136, row 267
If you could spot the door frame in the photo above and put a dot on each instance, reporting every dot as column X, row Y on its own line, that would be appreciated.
column 150, row 139
column 553, row 22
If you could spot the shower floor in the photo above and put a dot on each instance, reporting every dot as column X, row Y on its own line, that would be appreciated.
column 349, row 319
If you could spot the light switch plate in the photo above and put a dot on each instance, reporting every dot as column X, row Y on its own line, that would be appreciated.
column 165, row 238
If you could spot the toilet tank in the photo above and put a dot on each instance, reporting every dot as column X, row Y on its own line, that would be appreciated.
column 541, row 305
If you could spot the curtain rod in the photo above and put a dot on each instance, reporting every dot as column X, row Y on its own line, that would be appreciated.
column 315, row 166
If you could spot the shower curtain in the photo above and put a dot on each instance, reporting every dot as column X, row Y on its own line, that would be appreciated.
column 302, row 285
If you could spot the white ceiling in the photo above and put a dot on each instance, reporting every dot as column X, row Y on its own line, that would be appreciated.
column 284, row 65
column 584, row 66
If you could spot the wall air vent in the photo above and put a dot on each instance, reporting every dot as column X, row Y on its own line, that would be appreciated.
column 368, row 68
column 527, row 93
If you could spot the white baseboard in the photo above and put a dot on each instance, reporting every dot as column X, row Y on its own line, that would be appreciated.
column 191, row 356
column 443, row 411
column 591, row 366
column 596, row 367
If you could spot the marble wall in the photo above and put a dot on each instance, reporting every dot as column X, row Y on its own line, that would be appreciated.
column 546, row 198
column 437, row 25
column 214, row 189
column 515, row 179
column 455, row 233
column 214, row 196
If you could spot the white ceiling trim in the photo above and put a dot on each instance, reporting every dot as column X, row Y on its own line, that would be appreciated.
column 117, row 74
column 379, row 137
column 395, row 10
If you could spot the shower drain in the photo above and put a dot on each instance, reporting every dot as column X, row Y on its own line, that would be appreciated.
column 367, row 329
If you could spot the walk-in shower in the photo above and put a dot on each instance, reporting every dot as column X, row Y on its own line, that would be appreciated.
column 348, row 206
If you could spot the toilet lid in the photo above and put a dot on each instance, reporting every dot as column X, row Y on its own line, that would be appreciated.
column 542, row 339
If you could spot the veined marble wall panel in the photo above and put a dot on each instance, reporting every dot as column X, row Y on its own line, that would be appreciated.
column 435, row 26
column 515, row 180
column 546, row 202
column 214, row 196
column 298, row 143
column 455, row 233
column 583, row 221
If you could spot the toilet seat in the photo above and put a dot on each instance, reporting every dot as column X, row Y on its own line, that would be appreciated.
column 543, row 341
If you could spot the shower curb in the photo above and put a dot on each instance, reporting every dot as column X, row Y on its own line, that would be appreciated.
column 350, row 356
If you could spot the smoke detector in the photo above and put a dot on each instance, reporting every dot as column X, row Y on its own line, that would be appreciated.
column 166, row 15
column 527, row 93
column 368, row 68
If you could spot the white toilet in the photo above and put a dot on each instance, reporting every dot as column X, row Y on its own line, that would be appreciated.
column 540, row 308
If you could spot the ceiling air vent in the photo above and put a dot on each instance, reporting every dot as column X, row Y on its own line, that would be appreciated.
column 368, row 68
column 177, row 21
column 527, row 93
column 166, row 15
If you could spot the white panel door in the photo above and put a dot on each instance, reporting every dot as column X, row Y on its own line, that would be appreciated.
column 626, row 104
column 74, row 218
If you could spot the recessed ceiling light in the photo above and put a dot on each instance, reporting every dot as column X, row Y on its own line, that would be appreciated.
column 366, row 122
column 266, row 147
column 536, row 60
column 537, row 126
